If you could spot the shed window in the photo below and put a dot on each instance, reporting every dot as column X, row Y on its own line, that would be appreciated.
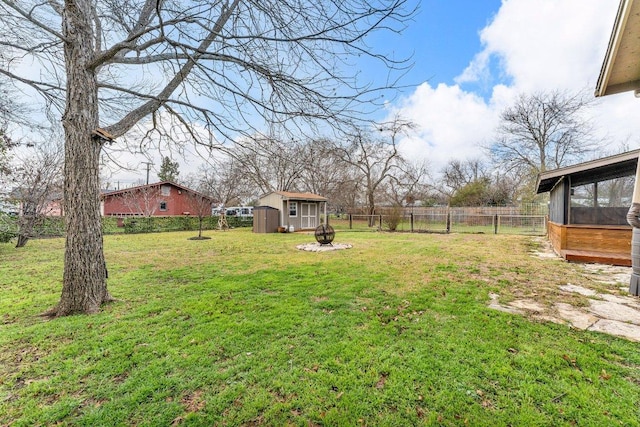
column 293, row 208
column 166, row 190
column 163, row 206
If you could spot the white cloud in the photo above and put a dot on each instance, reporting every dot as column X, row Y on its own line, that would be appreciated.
column 452, row 124
column 547, row 44
column 540, row 45
column 477, row 70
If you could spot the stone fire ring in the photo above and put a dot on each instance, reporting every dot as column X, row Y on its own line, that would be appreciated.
column 317, row 247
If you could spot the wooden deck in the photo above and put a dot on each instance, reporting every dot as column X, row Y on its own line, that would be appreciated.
column 597, row 257
column 602, row 244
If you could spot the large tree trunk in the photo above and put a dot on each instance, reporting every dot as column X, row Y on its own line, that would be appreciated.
column 24, row 231
column 84, row 284
column 371, row 208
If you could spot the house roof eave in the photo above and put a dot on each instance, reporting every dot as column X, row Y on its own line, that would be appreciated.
column 620, row 70
column 155, row 184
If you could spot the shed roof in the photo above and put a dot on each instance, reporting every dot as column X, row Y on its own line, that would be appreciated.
column 288, row 195
column 620, row 70
column 602, row 169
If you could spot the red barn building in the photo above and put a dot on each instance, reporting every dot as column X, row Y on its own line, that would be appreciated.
column 159, row 199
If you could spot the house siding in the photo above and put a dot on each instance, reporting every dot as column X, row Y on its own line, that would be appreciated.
column 178, row 203
column 293, row 221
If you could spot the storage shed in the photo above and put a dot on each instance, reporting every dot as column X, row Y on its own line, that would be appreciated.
column 297, row 211
column 588, row 207
column 265, row 219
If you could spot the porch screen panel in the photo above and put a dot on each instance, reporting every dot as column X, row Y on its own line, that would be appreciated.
column 602, row 203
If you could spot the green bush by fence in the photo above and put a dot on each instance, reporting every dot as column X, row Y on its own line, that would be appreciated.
column 8, row 227
column 179, row 223
column 54, row 226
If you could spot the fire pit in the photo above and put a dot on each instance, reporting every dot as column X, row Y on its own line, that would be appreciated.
column 324, row 234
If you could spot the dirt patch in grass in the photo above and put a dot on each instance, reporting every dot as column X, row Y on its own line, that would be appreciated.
column 193, row 402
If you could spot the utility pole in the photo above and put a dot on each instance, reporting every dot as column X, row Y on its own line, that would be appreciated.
column 148, row 168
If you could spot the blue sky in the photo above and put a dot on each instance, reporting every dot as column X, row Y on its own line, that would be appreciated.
column 445, row 36
column 498, row 50
column 440, row 42
column 473, row 57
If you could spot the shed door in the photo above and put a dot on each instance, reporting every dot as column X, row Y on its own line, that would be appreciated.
column 308, row 215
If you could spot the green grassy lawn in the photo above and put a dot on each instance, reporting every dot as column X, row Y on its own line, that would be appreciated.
column 244, row 329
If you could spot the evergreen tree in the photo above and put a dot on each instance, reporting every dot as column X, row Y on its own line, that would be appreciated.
column 168, row 170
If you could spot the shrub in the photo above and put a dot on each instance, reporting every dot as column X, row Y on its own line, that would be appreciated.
column 6, row 236
column 179, row 223
column 54, row 226
column 393, row 218
column 8, row 227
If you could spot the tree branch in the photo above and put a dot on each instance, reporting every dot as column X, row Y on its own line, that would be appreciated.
column 134, row 116
column 31, row 18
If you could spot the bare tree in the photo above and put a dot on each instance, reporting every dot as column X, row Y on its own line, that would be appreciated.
column 201, row 205
column 6, row 143
column 5, row 149
column 376, row 157
column 225, row 181
column 203, row 70
column 37, row 179
column 543, row 130
column 324, row 172
column 209, row 192
column 407, row 183
column 458, row 173
column 143, row 200
column 270, row 163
